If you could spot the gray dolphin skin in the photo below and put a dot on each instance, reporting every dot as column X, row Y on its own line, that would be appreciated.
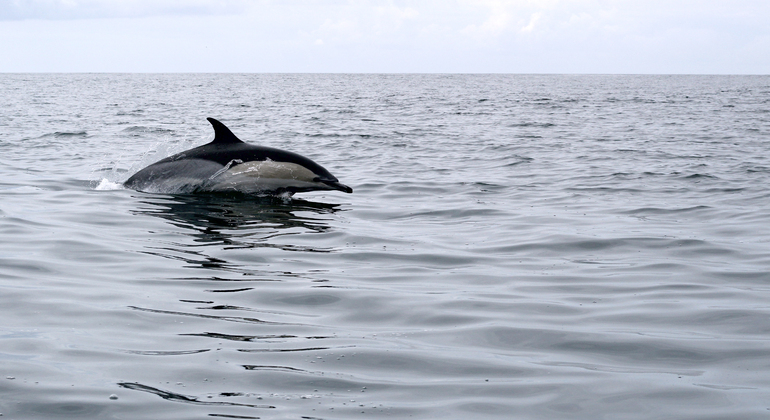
column 229, row 164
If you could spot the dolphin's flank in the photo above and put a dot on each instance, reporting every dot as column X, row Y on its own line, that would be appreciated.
column 229, row 164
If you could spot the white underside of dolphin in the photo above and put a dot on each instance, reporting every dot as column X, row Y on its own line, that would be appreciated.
column 229, row 164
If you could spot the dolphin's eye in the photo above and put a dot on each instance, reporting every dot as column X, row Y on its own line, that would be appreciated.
column 317, row 179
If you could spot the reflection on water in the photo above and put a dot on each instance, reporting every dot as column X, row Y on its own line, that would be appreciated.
column 230, row 221
column 173, row 396
column 222, row 218
column 237, row 237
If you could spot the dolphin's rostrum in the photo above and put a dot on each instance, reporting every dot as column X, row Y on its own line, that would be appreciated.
column 229, row 164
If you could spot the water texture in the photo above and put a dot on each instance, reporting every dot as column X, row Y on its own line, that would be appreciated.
column 516, row 246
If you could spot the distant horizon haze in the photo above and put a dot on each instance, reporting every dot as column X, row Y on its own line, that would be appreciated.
column 379, row 36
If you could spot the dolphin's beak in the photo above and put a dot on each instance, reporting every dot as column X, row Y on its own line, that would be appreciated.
column 337, row 186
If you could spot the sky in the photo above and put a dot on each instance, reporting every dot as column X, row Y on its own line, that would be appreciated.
column 387, row 36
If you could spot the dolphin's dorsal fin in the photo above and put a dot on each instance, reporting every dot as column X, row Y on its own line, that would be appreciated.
column 222, row 134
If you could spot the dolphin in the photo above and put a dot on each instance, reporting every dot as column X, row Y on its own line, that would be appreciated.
column 229, row 164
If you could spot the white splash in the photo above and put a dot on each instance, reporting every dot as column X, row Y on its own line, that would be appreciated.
column 107, row 185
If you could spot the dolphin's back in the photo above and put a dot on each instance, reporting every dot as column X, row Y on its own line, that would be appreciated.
column 234, row 154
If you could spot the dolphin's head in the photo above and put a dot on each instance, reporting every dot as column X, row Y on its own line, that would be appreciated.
column 334, row 184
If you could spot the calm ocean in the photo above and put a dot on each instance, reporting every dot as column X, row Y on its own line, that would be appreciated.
column 516, row 247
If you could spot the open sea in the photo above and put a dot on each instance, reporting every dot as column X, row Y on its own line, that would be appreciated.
column 516, row 247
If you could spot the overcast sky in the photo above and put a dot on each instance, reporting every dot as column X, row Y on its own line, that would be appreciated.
column 448, row 36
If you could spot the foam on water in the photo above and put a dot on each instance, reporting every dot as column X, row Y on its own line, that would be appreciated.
column 107, row 185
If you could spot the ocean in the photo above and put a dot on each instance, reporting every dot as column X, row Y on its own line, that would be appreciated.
column 515, row 247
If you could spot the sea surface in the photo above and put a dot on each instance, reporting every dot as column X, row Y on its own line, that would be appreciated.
column 516, row 247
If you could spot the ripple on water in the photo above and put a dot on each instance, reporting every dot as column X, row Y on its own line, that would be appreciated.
column 547, row 246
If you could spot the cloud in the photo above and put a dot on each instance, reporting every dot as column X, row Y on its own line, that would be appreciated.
column 396, row 13
column 97, row 9
column 532, row 22
column 374, row 22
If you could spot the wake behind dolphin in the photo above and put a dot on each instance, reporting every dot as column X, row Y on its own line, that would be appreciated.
column 229, row 164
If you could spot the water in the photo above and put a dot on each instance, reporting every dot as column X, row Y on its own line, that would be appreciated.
column 529, row 247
